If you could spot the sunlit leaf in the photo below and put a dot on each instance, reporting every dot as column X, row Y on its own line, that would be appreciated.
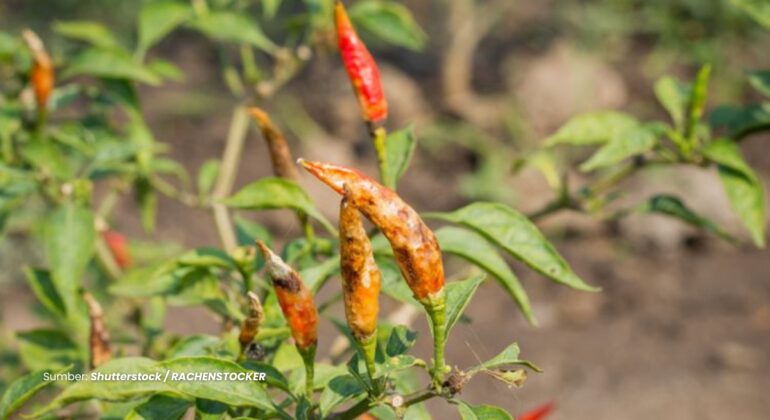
column 592, row 128
column 232, row 27
column 389, row 21
column 112, row 64
column 22, row 389
column 759, row 10
column 627, row 144
column 458, row 296
column 674, row 207
column 157, row 19
column 509, row 356
column 760, row 80
column 512, row 231
column 481, row 412
column 340, row 390
column 399, row 147
column 45, row 290
column 91, row 32
column 673, row 95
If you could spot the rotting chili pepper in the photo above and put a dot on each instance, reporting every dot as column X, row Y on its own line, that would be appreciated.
column 538, row 413
column 42, row 74
column 99, row 339
column 280, row 154
column 361, row 67
column 297, row 305
column 414, row 245
column 360, row 282
column 118, row 246
column 250, row 325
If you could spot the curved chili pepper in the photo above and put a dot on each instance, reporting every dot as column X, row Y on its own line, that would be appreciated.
column 297, row 305
column 538, row 413
column 118, row 248
column 42, row 74
column 414, row 245
column 99, row 341
column 361, row 67
column 280, row 154
column 360, row 282
column 250, row 325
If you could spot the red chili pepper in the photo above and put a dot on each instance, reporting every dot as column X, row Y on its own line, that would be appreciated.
column 295, row 299
column 118, row 248
column 537, row 413
column 100, row 338
column 42, row 74
column 415, row 246
column 361, row 67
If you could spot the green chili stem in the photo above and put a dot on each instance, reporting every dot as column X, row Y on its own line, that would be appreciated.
column 379, row 135
column 436, row 308
column 308, row 357
column 369, row 350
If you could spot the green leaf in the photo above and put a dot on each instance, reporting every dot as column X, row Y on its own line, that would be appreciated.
column 473, row 247
column 273, row 377
column 41, row 283
column 207, row 258
column 759, row 10
column 111, row 64
column 512, row 231
column 270, row 8
column 317, row 275
column 340, row 390
column 195, row 345
column 46, row 349
column 207, row 175
column 148, row 203
column 157, row 19
column 392, row 284
column 509, row 356
column 627, row 144
column 742, row 121
column 741, row 184
column 69, row 237
column 760, row 80
column 592, row 128
column 399, row 147
column 674, row 207
column 166, row 69
column 481, row 412
column 24, row 388
column 697, row 102
column 200, row 287
column 93, row 33
column 458, row 296
column 209, row 410
column 248, row 232
column 276, row 193
column 673, row 95
column 389, row 21
column 149, row 281
column 401, row 339
column 160, row 407
column 232, row 27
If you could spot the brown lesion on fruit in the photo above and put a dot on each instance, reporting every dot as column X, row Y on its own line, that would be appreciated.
column 99, row 338
column 250, row 325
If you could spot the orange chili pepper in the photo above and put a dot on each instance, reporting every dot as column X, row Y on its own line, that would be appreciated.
column 118, row 248
column 361, row 67
column 294, row 297
column 42, row 74
column 280, row 154
column 414, row 244
column 250, row 325
column 100, row 339
column 360, row 283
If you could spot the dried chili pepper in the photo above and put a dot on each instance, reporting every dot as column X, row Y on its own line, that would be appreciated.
column 118, row 248
column 42, row 74
column 361, row 67
column 250, row 325
column 360, row 282
column 414, row 245
column 280, row 155
column 297, row 305
column 538, row 413
column 99, row 339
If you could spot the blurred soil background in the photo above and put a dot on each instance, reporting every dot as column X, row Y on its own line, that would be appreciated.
column 682, row 327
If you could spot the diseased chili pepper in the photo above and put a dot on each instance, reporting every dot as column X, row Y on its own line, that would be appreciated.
column 360, row 282
column 414, row 245
column 297, row 306
column 118, row 246
column 538, row 413
column 99, row 339
column 361, row 67
column 42, row 74
column 250, row 325
column 280, row 155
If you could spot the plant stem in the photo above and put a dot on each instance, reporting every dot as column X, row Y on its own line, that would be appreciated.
column 308, row 357
column 236, row 137
column 369, row 350
column 379, row 134
column 436, row 308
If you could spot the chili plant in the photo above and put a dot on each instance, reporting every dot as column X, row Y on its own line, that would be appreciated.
column 105, row 308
